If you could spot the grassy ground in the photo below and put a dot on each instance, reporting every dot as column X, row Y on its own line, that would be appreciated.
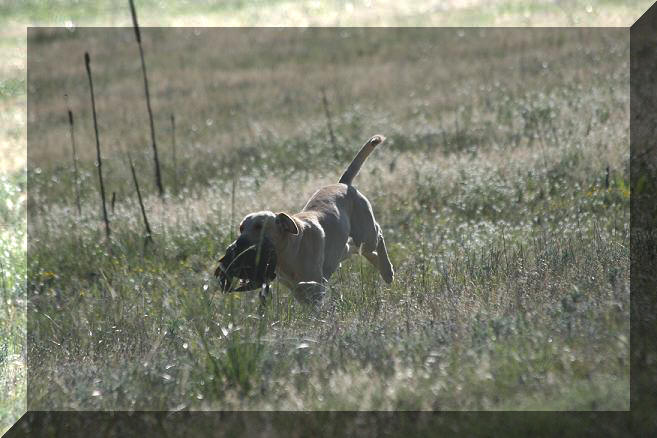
column 502, row 191
column 197, row 177
column 12, row 290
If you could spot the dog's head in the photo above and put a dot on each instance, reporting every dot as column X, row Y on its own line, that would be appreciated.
column 252, row 256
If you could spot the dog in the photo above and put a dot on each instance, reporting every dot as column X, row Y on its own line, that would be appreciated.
column 304, row 249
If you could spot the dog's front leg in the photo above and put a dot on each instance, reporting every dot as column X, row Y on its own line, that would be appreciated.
column 264, row 293
column 309, row 292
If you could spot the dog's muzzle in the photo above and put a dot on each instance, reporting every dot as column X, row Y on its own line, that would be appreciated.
column 254, row 264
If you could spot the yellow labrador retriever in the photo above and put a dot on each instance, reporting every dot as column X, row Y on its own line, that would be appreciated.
column 307, row 247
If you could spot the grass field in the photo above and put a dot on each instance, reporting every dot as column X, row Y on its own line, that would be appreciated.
column 510, row 235
column 503, row 193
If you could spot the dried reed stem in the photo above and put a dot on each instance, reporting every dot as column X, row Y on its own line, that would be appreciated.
column 149, row 234
column 173, row 149
column 87, row 62
column 158, row 174
column 329, row 124
column 76, row 180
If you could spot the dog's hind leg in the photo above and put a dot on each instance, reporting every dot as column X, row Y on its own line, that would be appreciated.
column 385, row 267
column 368, row 237
column 379, row 259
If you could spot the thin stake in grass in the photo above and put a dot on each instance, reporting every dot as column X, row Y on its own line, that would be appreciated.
column 87, row 62
column 148, row 238
column 329, row 124
column 158, row 174
column 173, row 150
column 76, row 180
column 232, row 208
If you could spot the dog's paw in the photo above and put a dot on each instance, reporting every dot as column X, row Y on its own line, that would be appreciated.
column 309, row 292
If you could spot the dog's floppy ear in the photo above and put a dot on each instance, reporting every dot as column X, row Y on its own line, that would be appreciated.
column 287, row 224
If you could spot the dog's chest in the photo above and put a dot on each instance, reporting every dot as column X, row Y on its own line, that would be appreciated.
column 289, row 279
column 293, row 261
column 293, row 270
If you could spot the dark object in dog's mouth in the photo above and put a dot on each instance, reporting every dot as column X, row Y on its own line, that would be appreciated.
column 253, row 266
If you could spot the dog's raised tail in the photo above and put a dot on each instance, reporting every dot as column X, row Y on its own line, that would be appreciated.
column 351, row 172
